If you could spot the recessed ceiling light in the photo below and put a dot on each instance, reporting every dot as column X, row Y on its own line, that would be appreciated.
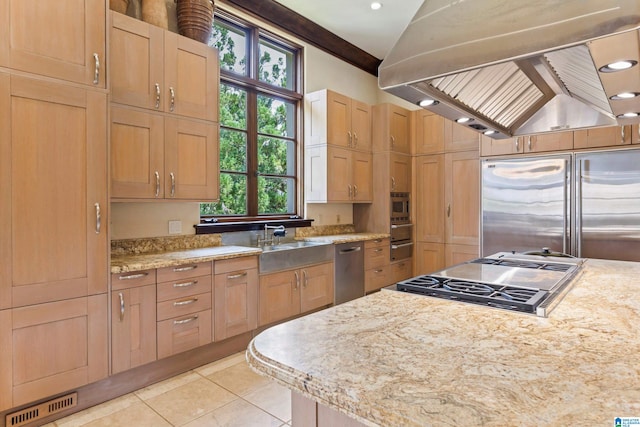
column 463, row 120
column 428, row 103
column 376, row 5
column 624, row 95
column 489, row 132
column 618, row 66
column 628, row 115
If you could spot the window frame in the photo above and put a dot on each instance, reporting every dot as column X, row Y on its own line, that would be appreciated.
column 254, row 88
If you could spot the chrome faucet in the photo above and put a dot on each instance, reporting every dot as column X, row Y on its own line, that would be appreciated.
column 278, row 232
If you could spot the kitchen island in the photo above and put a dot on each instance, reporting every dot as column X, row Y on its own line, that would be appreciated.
column 399, row 359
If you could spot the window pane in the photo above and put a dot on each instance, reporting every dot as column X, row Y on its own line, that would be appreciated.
column 276, row 65
column 233, row 151
column 276, row 195
column 275, row 117
column 231, row 42
column 233, row 197
column 233, row 107
column 276, row 156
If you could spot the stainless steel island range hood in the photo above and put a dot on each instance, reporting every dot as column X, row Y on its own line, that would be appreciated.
column 518, row 67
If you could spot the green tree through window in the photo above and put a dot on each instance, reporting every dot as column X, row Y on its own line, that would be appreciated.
column 258, row 123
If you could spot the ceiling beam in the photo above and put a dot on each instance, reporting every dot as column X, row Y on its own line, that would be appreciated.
column 309, row 31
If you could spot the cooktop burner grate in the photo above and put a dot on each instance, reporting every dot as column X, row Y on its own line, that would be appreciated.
column 523, row 264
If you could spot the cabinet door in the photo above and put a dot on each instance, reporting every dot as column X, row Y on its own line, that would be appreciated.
column 53, row 347
column 635, row 134
column 429, row 257
column 339, row 173
column 462, row 197
column 279, row 296
column 191, row 160
column 317, row 286
column 401, row 270
column 428, row 134
column 236, row 302
column 362, row 177
column 133, row 327
column 400, row 173
column 137, row 154
column 64, row 40
column 556, row 141
column 602, row 137
column 184, row 333
column 460, row 138
column 338, row 119
column 400, row 129
column 6, row 278
column 56, row 196
column 191, row 78
column 360, row 125
column 429, row 205
column 456, row 254
column 136, row 66
column 500, row 147
column 377, row 278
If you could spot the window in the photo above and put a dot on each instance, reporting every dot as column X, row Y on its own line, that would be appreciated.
column 259, row 122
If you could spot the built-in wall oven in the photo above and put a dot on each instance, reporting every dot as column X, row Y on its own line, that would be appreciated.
column 401, row 227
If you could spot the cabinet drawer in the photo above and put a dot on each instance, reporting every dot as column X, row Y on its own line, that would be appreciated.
column 184, row 333
column 376, row 278
column 376, row 257
column 132, row 279
column 180, row 272
column 176, row 289
column 183, row 306
column 235, row 264
column 376, row 243
column 401, row 270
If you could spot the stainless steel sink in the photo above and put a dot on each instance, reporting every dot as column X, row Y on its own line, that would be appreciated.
column 294, row 254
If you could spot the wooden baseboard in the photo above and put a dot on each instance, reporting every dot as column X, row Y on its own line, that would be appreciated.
column 142, row 376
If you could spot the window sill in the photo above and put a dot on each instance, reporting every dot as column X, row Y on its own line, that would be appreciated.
column 225, row 227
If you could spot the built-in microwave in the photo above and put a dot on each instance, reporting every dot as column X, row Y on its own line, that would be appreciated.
column 400, row 208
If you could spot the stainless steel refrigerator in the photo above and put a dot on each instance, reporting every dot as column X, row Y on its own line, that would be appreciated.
column 585, row 204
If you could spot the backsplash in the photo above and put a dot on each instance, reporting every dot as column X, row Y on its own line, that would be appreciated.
column 164, row 244
column 325, row 230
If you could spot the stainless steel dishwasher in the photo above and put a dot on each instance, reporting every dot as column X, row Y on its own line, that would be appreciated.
column 348, row 272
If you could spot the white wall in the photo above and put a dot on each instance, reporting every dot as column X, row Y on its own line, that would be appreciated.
column 321, row 70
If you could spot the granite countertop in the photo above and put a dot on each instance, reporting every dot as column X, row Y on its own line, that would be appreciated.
column 136, row 262
column 337, row 239
column 393, row 359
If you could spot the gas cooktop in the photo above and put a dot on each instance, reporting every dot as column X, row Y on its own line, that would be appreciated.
column 508, row 281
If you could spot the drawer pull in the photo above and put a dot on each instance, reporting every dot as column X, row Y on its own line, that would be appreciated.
column 121, row 306
column 377, row 241
column 185, row 284
column 378, row 250
column 189, row 268
column 133, row 276
column 185, row 302
column 187, row 320
column 236, row 276
column 378, row 271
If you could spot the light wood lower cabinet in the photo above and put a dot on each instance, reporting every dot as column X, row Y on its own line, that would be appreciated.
column 133, row 319
column 235, row 297
column 287, row 293
column 377, row 268
column 429, row 257
column 401, row 270
column 456, row 254
column 51, row 348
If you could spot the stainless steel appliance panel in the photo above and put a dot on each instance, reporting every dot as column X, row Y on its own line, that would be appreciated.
column 608, row 205
column 526, row 204
column 400, row 251
column 348, row 272
column 400, row 209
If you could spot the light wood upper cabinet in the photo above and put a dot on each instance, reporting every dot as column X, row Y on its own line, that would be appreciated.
column 391, row 128
column 156, row 157
column 235, row 297
column 462, row 197
column 500, row 147
column 400, row 167
column 160, row 70
column 603, row 137
column 54, row 158
column 64, row 40
column 635, row 134
column 428, row 132
column 459, row 137
column 336, row 119
column 556, row 141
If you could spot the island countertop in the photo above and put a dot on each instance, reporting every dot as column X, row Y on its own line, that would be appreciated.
column 399, row 359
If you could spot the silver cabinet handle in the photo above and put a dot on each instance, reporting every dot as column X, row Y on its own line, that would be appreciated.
column 349, row 136
column 517, row 144
column 96, row 72
column 187, row 320
column 98, row 217
column 185, row 284
column 188, row 268
column 393, row 141
column 297, row 276
column 121, row 306
column 378, row 271
column 173, row 184
column 404, row 245
column 622, row 134
column 448, row 210
column 185, row 302
column 393, row 183
column 133, row 276
column 172, row 100
column 305, row 281
column 355, row 191
column 378, row 250
column 394, row 226
column 157, row 96
column 350, row 191
column 355, row 139
column 157, row 183
column 529, row 142
column 237, row 276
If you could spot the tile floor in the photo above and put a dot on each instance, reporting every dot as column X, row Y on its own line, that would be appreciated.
column 223, row 393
